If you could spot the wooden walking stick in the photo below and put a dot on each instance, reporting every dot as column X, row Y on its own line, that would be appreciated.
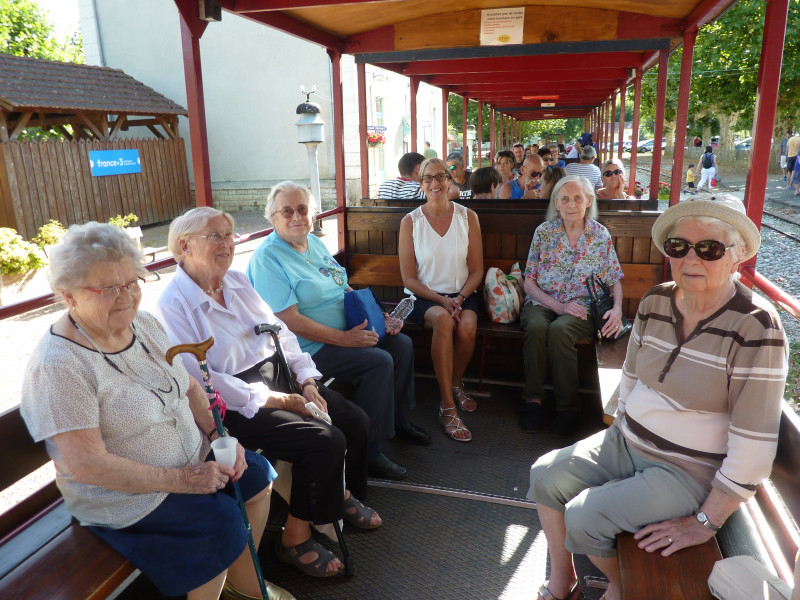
column 199, row 351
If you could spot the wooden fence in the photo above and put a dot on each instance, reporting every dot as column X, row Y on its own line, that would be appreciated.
column 47, row 180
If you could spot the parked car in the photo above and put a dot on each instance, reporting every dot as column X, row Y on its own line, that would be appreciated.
column 743, row 144
column 647, row 145
column 715, row 141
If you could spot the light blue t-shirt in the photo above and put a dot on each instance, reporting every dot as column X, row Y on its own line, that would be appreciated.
column 313, row 281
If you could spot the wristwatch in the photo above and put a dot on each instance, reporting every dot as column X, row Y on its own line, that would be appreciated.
column 703, row 520
column 463, row 297
column 307, row 383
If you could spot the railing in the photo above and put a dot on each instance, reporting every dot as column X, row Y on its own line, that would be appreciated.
column 772, row 291
column 18, row 308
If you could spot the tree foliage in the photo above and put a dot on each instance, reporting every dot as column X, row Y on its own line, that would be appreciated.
column 25, row 30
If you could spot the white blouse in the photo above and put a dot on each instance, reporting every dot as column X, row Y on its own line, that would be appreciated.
column 441, row 260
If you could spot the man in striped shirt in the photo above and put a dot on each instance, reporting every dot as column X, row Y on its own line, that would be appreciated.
column 407, row 185
column 586, row 167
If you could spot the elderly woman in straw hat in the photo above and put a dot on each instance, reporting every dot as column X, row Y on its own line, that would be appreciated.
column 676, row 463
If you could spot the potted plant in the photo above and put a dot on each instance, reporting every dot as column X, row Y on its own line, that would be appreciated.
column 19, row 262
column 376, row 139
column 663, row 190
column 49, row 235
column 638, row 190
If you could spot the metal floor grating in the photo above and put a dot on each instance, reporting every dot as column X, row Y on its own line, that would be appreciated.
column 435, row 541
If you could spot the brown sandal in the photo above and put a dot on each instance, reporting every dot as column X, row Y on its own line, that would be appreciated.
column 453, row 423
column 465, row 401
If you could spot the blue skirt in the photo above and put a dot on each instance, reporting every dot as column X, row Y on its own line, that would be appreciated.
column 421, row 306
column 190, row 538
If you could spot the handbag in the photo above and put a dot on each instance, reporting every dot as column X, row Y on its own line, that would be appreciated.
column 744, row 578
column 599, row 304
column 502, row 294
column 271, row 372
column 360, row 305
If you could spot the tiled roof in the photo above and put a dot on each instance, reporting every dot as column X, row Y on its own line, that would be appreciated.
column 32, row 83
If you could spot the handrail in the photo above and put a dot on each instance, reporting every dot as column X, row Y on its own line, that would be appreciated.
column 18, row 308
column 772, row 291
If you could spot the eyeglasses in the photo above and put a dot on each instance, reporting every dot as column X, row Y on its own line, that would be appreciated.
column 615, row 172
column 218, row 238
column 112, row 291
column 440, row 177
column 287, row 212
column 535, row 174
column 452, row 167
column 707, row 250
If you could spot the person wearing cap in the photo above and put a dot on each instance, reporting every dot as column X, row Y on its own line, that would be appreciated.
column 696, row 426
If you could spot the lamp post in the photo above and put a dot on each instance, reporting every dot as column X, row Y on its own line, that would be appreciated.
column 470, row 141
column 311, row 132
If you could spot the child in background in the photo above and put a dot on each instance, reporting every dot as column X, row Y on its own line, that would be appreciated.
column 689, row 189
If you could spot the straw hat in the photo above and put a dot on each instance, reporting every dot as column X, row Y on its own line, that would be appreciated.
column 730, row 210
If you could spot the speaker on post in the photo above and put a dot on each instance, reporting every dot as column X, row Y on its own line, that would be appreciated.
column 210, row 10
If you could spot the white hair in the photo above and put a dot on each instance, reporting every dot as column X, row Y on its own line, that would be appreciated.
column 286, row 187
column 85, row 245
column 587, row 189
column 190, row 223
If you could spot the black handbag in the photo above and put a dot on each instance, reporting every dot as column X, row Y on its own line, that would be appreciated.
column 270, row 371
column 600, row 302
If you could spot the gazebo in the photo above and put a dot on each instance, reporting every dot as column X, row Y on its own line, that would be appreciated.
column 47, row 178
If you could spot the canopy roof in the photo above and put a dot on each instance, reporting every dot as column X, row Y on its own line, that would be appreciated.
column 35, row 84
column 574, row 55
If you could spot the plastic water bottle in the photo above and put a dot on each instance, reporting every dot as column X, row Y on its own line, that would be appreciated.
column 403, row 308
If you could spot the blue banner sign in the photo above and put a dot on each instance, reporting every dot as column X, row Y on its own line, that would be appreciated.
column 114, row 162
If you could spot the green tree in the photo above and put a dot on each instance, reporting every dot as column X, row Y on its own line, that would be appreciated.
column 25, row 30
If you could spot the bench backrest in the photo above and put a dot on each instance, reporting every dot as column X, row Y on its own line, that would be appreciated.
column 507, row 233
column 520, row 203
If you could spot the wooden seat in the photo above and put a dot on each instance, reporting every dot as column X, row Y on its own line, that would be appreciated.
column 44, row 553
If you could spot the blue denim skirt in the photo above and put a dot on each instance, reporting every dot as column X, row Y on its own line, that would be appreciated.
column 190, row 538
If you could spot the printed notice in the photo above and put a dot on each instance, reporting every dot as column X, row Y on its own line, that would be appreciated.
column 501, row 26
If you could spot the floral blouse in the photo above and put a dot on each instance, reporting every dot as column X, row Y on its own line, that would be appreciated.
column 561, row 270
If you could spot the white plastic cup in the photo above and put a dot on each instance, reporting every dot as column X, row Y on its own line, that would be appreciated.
column 225, row 450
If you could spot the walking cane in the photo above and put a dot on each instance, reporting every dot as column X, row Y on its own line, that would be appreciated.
column 199, row 350
column 274, row 330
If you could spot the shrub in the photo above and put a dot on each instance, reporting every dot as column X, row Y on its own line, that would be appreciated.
column 49, row 234
column 17, row 255
column 121, row 221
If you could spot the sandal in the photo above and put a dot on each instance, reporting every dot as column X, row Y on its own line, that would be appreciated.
column 573, row 594
column 274, row 592
column 361, row 516
column 464, row 400
column 454, row 424
column 315, row 568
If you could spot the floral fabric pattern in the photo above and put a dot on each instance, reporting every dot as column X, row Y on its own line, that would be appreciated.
column 561, row 270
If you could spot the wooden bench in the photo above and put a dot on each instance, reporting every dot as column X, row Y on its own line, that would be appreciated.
column 520, row 203
column 372, row 261
column 44, row 553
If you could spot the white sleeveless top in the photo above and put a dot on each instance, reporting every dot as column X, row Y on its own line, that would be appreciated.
column 441, row 260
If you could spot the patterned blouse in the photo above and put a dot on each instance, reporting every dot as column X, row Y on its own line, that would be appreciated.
column 561, row 270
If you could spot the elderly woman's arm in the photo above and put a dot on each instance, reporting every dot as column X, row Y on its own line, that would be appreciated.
column 357, row 337
column 89, row 462
column 533, row 290
column 613, row 317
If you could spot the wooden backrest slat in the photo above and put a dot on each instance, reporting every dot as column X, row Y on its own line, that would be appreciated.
column 16, row 442
column 616, row 204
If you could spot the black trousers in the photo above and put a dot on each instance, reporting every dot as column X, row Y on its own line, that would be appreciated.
column 316, row 451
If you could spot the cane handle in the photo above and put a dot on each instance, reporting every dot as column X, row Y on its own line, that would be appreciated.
column 199, row 350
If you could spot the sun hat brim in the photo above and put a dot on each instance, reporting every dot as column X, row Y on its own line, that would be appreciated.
column 730, row 211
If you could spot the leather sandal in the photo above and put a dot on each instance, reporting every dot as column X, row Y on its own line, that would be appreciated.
column 453, row 423
column 315, row 568
column 274, row 592
column 573, row 594
column 358, row 515
column 465, row 401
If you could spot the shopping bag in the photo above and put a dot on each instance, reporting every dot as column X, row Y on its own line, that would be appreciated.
column 502, row 294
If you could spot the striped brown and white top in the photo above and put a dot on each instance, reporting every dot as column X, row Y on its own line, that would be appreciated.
column 711, row 403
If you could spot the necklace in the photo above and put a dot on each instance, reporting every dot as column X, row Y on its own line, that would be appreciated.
column 216, row 291
column 134, row 376
column 306, row 254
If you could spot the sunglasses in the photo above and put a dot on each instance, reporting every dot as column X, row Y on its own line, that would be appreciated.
column 615, row 172
column 706, row 250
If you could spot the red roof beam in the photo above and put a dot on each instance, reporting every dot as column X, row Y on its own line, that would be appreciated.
column 533, row 91
column 521, row 63
column 534, row 74
column 248, row 6
column 293, row 27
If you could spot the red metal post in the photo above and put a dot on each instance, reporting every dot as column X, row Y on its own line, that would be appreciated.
column 413, row 87
column 198, row 135
column 338, row 141
column 492, row 135
column 637, row 105
column 612, row 113
column 361, row 75
column 682, row 116
column 586, row 120
column 621, row 137
column 479, row 133
column 661, row 104
column 445, row 96
column 769, row 73
column 464, row 148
